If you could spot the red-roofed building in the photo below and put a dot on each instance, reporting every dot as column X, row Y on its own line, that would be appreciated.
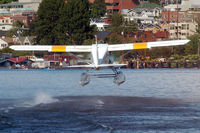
column 145, row 36
column 26, row 19
column 18, row 60
column 162, row 35
column 6, row 20
column 118, row 5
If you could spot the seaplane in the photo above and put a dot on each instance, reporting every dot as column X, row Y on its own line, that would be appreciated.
column 99, row 54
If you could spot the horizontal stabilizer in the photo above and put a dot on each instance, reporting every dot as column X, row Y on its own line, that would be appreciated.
column 112, row 65
column 81, row 66
column 98, row 66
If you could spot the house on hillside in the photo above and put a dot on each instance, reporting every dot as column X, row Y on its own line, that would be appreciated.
column 113, row 6
column 150, row 27
column 3, row 34
column 3, row 44
column 100, row 24
column 28, row 40
column 146, row 13
column 6, row 23
column 161, row 35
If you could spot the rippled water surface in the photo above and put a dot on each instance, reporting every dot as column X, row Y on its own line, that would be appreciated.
column 151, row 100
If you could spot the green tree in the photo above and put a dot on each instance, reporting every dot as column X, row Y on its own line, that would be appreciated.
column 130, row 26
column 7, row 50
column 155, row 1
column 10, row 33
column 7, row 1
column 47, row 20
column 198, row 31
column 74, row 26
column 192, row 46
column 114, row 39
column 165, row 52
column 98, row 9
column 120, row 25
column 116, row 23
column 18, row 24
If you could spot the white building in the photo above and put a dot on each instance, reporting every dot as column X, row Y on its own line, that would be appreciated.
column 185, row 5
column 6, row 27
column 145, row 15
column 3, row 44
column 184, row 30
column 101, row 25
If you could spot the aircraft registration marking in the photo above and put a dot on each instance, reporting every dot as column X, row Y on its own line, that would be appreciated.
column 59, row 48
column 140, row 46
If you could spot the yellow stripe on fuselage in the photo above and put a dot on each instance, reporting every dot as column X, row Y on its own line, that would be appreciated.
column 140, row 46
column 58, row 48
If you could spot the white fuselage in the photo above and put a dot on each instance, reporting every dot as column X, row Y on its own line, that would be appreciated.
column 99, row 52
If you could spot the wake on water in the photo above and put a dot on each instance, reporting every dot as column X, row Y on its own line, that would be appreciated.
column 40, row 98
column 98, row 114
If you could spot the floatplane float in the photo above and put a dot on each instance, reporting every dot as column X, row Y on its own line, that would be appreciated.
column 99, row 53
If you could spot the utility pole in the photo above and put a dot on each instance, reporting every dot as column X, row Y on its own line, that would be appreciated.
column 199, row 48
column 177, row 17
column 123, row 31
column 121, row 5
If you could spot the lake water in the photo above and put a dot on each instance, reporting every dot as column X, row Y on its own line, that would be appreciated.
column 151, row 100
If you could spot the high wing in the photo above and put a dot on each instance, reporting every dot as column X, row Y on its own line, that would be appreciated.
column 88, row 48
column 55, row 48
column 145, row 45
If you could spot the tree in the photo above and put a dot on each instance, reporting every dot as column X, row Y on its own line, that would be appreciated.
column 114, row 39
column 7, row 1
column 74, row 26
column 116, row 23
column 120, row 25
column 18, row 24
column 98, row 9
column 198, row 31
column 155, row 1
column 10, row 33
column 129, row 26
column 45, row 25
column 192, row 46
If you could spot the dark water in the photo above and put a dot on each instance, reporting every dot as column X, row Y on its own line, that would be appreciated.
column 159, row 100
